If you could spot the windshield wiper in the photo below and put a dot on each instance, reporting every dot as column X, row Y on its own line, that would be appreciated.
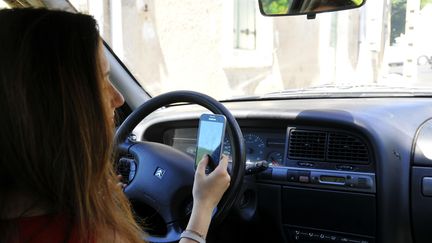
column 342, row 91
column 242, row 98
column 336, row 88
column 350, row 90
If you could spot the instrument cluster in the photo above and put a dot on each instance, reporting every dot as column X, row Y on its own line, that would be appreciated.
column 260, row 144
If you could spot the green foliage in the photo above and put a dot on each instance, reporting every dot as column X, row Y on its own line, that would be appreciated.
column 425, row 2
column 398, row 16
column 357, row 2
column 201, row 151
column 276, row 6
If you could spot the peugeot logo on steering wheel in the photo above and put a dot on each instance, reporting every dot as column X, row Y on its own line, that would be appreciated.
column 159, row 173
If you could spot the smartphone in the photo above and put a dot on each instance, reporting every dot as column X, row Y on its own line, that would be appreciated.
column 211, row 132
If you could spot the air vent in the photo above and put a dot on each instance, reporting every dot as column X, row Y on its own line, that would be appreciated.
column 346, row 148
column 305, row 144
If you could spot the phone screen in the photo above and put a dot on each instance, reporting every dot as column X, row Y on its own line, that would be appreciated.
column 211, row 132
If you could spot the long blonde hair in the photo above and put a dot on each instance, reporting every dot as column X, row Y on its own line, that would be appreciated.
column 57, row 138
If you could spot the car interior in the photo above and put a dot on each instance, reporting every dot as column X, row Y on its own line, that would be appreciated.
column 336, row 162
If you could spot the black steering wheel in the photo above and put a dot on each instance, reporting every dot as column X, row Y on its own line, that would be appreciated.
column 164, row 176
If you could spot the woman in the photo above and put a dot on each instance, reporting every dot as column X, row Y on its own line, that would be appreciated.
column 57, row 181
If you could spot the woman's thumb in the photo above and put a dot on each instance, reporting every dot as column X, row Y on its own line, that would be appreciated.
column 202, row 164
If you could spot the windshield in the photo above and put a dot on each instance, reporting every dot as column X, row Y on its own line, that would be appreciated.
column 227, row 49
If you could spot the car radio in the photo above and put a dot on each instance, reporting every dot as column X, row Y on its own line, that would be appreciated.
column 342, row 180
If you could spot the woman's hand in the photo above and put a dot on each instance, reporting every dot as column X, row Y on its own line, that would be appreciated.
column 120, row 183
column 207, row 192
column 209, row 189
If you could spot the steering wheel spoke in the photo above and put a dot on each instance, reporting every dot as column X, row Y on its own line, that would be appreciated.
column 164, row 176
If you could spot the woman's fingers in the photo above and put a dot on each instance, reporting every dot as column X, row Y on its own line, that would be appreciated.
column 223, row 163
column 120, row 183
column 202, row 164
column 222, row 167
column 209, row 189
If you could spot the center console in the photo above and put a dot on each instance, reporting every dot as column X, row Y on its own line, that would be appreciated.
column 328, row 186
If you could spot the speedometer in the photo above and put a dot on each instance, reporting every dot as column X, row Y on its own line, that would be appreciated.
column 227, row 147
column 254, row 147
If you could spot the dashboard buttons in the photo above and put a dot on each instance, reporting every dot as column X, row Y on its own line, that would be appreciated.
column 292, row 176
column 304, row 179
column 427, row 186
column 345, row 167
column 304, row 176
column 363, row 182
column 256, row 167
column 348, row 181
column 298, row 176
column 302, row 236
column 360, row 181
column 306, row 164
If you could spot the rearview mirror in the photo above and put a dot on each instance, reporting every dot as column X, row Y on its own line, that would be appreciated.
column 305, row 7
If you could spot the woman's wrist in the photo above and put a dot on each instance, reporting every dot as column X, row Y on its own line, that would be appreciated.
column 200, row 219
column 203, row 206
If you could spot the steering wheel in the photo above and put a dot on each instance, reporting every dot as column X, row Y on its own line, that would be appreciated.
column 164, row 176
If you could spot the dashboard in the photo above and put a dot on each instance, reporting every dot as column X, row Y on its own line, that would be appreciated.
column 341, row 170
column 261, row 144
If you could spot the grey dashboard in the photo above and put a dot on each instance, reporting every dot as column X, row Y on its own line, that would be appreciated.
column 332, row 208
column 261, row 144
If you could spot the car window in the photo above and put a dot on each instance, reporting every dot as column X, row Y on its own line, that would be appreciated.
column 228, row 49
